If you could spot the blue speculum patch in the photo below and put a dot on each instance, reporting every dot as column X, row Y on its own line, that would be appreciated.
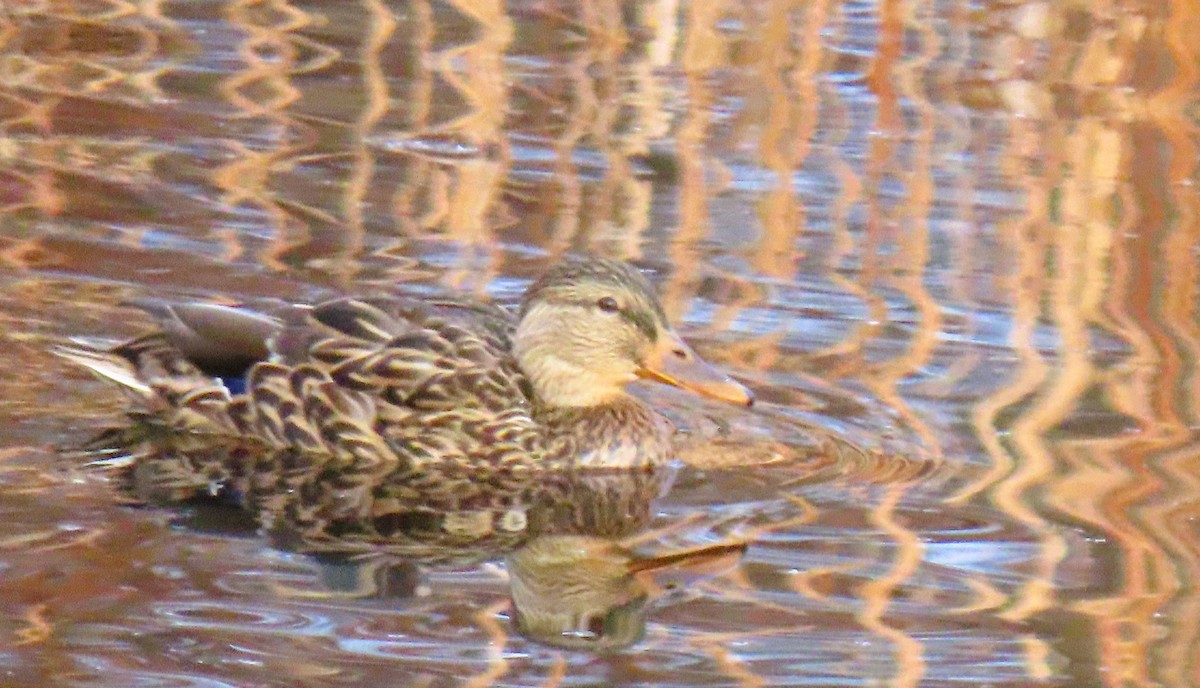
column 236, row 384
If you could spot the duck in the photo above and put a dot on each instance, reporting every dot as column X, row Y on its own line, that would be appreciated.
column 435, row 390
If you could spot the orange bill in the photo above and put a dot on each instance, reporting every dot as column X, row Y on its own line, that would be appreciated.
column 674, row 363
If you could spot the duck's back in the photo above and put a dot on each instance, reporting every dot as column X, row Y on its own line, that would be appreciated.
column 421, row 355
column 434, row 379
column 380, row 384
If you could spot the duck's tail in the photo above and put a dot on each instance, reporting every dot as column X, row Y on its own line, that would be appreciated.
column 160, row 382
column 182, row 378
column 107, row 364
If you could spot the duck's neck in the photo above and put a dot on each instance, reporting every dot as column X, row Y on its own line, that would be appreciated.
column 560, row 385
column 613, row 412
column 624, row 433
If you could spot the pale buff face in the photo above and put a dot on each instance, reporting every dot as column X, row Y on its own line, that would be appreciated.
column 589, row 328
column 582, row 343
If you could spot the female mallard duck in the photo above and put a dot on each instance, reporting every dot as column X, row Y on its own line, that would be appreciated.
column 399, row 385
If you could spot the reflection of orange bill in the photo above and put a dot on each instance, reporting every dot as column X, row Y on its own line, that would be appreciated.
column 674, row 363
column 681, row 568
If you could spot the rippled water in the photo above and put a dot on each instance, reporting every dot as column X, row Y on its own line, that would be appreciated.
column 952, row 246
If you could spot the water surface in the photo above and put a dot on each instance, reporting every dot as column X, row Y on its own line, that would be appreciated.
column 952, row 246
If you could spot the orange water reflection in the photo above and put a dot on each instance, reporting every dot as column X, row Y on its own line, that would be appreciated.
column 962, row 237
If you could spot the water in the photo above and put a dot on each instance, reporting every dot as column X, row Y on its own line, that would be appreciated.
column 952, row 246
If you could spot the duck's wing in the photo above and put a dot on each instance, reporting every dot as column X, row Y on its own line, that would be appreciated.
column 423, row 355
column 380, row 361
column 219, row 340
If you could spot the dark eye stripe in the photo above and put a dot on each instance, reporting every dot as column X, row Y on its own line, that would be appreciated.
column 644, row 322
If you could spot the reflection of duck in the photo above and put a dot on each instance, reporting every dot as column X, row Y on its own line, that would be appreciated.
column 583, row 592
column 397, row 385
column 574, row 583
column 405, row 516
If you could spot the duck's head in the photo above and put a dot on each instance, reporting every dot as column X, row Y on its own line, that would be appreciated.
column 588, row 328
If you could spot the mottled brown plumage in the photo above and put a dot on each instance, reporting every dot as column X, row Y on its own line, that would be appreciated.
column 439, row 389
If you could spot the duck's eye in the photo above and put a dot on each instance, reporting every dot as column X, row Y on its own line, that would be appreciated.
column 608, row 304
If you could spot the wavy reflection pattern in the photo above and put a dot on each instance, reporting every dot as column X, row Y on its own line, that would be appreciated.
column 983, row 216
